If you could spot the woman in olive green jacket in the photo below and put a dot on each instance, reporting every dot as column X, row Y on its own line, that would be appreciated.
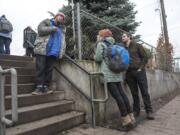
column 114, row 80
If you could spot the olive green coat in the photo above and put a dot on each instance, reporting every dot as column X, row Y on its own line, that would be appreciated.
column 99, row 58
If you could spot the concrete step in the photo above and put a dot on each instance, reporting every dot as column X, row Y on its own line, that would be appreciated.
column 49, row 126
column 38, row 112
column 22, row 88
column 17, row 63
column 26, row 71
column 21, row 79
column 29, row 99
column 23, row 70
column 15, row 57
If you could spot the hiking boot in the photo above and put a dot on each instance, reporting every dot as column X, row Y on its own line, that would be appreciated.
column 126, row 124
column 126, row 128
column 150, row 116
column 131, row 115
column 46, row 90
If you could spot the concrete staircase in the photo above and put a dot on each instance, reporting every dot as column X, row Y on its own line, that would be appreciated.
column 46, row 114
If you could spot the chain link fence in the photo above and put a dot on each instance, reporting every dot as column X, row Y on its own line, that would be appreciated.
column 176, row 64
column 90, row 25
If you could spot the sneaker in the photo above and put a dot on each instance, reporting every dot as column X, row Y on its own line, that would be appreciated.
column 38, row 91
column 46, row 90
column 150, row 116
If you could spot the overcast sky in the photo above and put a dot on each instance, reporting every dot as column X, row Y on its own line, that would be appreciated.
column 23, row 13
column 30, row 12
column 150, row 27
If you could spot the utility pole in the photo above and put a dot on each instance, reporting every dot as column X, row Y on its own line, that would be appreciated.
column 163, row 13
column 165, row 33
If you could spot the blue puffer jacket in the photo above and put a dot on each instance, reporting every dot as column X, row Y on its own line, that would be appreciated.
column 44, row 31
column 54, row 43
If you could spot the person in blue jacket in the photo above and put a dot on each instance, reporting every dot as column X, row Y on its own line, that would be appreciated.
column 5, row 35
column 49, row 44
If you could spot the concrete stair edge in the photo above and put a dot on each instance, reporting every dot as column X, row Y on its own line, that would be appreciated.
column 22, row 88
column 40, row 111
column 29, row 99
column 15, row 57
column 49, row 126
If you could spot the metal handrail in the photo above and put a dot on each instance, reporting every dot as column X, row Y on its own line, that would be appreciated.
column 90, row 99
column 74, row 85
column 79, row 66
column 91, row 74
column 3, row 120
column 105, row 88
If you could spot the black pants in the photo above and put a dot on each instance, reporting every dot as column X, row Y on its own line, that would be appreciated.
column 135, row 79
column 44, row 68
column 29, row 52
column 118, row 94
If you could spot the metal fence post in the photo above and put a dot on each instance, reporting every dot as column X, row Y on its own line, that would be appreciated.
column 79, row 31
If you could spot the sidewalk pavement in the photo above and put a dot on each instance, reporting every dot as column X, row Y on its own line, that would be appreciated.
column 167, row 122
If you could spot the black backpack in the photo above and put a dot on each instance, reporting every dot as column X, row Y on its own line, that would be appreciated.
column 116, row 57
column 5, row 25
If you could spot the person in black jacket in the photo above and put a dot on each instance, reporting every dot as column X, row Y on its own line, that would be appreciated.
column 136, row 75
column 29, row 39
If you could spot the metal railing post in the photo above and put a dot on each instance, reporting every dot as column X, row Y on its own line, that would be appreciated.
column 3, row 120
column 92, row 103
column 93, row 100
column 14, row 100
column 2, row 108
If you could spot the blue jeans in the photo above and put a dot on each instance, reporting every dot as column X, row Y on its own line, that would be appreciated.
column 5, row 45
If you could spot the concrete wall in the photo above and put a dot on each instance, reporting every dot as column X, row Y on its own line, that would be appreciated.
column 160, row 83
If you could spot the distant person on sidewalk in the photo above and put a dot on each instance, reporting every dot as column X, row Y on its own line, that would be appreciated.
column 49, row 45
column 29, row 38
column 105, row 39
column 6, row 29
column 136, row 76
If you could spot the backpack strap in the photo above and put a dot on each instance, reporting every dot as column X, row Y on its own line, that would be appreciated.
column 106, row 42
